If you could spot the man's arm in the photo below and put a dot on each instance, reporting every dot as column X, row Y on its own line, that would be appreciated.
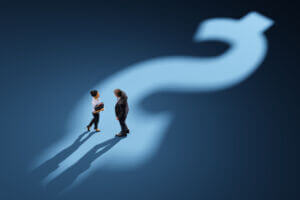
column 122, row 110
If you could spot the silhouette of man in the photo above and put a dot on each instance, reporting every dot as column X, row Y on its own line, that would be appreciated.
column 69, row 176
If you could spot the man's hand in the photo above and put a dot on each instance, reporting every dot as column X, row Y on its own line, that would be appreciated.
column 117, row 118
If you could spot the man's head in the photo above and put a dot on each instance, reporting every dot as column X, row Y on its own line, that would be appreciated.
column 118, row 92
column 95, row 93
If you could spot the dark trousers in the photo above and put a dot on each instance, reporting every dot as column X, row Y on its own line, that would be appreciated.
column 124, row 128
column 95, row 120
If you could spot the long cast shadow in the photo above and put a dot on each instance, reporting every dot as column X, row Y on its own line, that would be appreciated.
column 53, row 163
column 66, row 179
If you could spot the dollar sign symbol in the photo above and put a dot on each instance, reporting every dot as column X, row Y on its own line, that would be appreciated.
column 247, row 50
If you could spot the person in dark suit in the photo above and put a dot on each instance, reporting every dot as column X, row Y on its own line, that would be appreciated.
column 121, row 110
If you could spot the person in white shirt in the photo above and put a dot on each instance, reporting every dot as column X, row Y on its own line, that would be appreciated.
column 95, row 102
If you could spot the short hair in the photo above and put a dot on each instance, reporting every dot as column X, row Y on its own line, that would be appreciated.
column 118, row 92
column 94, row 93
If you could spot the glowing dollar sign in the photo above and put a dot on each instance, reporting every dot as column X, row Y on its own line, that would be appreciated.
column 247, row 50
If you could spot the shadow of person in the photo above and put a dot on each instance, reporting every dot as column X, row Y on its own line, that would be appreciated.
column 52, row 164
column 64, row 180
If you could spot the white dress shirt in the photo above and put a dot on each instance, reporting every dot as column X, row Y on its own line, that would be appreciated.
column 95, row 102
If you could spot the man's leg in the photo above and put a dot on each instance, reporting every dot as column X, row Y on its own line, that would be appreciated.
column 124, row 128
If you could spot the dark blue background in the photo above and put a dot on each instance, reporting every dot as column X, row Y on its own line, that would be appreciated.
column 240, row 143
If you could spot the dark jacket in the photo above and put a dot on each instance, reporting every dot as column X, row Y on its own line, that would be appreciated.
column 121, row 107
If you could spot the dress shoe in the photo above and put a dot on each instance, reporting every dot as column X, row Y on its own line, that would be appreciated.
column 88, row 128
column 121, row 135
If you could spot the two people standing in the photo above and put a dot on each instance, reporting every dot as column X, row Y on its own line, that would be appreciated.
column 121, row 111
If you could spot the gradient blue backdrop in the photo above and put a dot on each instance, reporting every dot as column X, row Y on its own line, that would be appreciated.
column 237, row 144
